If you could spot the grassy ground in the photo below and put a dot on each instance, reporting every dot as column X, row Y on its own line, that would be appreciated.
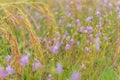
column 59, row 39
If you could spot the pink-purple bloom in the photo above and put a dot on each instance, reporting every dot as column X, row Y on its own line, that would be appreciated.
column 106, row 38
column 72, row 41
column 89, row 19
column 88, row 29
column 69, row 25
column 97, row 44
column 49, row 77
column 97, row 13
column 36, row 65
column 75, row 75
column 3, row 73
column 55, row 49
column 68, row 46
column 87, row 50
column 9, row 58
column 118, row 15
column 10, row 70
column 24, row 60
column 110, row 5
column 80, row 30
column 59, row 68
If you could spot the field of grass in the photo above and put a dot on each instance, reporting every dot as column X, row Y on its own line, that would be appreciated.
column 59, row 39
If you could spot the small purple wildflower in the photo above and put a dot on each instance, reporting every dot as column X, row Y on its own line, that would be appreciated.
column 79, row 8
column 118, row 15
column 89, row 19
column 105, row 1
column 80, row 30
column 100, row 21
column 69, row 25
column 97, row 13
column 71, row 2
column 87, row 50
column 72, row 41
column 75, row 75
column 36, row 65
column 67, row 8
column 110, row 5
column 59, row 68
column 9, row 58
column 106, row 38
column 55, row 48
column 89, row 10
column 98, row 34
column 68, row 46
column 24, row 60
column 49, row 77
column 91, row 38
column 78, row 22
column 97, row 44
column 70, row 14
column 3, row 73
column 99, row 27
column 10, row 70
column 118, row 40
column 88, row 29
column 41, row 39
column 83, row 66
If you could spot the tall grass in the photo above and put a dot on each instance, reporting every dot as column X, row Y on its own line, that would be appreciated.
column 56, row 36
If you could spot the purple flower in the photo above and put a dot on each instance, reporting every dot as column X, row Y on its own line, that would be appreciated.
column 83, row 66
column 91, row 38
column 88, row 29
column 10, row 70
column 99, row 27
column 110, row 5
column 70, row 14
column 118, row 15
column 78, row 22
column 89, row 10
column 97, row 13
column 24, row 60
column 79, row 7
column 105, row 1
column 69, row 25
column 41, row 39
column 106, row 38
column 49, row 77
column 36, row 65
column 67, row 8
column 3, row 73
column 75, row 75
column 98, row 34
column 80, row 30
column 9, row 58
column 72, row 41
column 64, row 36
column 36, row 15
column 55, row 48
column 89, row 19
column 100, row 21
column 118, row 40
column 59, row 68
column 97, row 44
column 68, row 46
column 87, row 50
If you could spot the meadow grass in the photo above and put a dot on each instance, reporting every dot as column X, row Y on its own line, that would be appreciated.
column 59, row 39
